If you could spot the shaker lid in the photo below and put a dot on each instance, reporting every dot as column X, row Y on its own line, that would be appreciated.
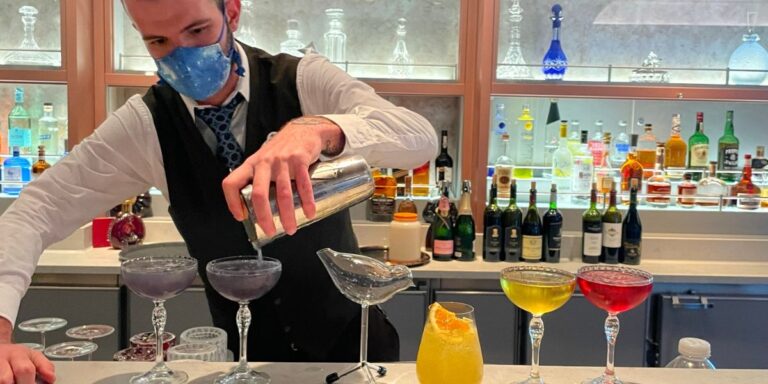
column 693, row 347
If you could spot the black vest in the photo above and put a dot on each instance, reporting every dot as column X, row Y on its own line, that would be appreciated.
column 304, row 316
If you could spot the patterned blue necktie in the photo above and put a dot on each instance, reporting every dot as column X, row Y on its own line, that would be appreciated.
column 219, row 120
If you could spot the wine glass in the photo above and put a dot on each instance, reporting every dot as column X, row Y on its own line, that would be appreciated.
column 70, row 349
column 537, row 290
column 42, row 325
column 90, row 332
column 615, row 289
column 243, row 279
column 159, row 278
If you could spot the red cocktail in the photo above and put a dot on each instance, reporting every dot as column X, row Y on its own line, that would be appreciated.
column 615, row 289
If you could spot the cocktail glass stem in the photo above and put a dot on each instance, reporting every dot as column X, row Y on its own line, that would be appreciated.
column 159, row 317
column 243, row 322
column 42, row 339
column 611, row 333
column 536, row 333
column 364, row 336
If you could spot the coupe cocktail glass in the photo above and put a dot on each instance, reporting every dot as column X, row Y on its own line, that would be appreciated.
column 90, row 332
column 159, row 278
column 537, row 290
column 615, row 289
column 365, row 281
column 42, row 325
column 70, row 349
column 243, row 279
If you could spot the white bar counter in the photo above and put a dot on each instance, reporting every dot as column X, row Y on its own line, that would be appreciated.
column 399, row 373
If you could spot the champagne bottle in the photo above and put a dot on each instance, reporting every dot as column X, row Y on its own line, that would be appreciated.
column 532, row 231
column 442, row 235
column 464, row 235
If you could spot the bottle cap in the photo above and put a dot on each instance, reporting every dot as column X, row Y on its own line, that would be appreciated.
column 760, row 151
column 693, row 347
column 406, row 216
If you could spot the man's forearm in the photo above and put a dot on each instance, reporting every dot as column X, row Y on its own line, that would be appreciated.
column 5, row 331
column 331, row 135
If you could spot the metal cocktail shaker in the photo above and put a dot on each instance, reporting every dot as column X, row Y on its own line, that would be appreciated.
column 336, row 185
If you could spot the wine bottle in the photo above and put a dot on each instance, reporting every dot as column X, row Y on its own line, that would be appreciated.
column 442, row 235
column 631, row 231
column 591, row 230
column 464, row 234
column 492, row 240
column 444, row 162
column 511, row 223
column 611, row 231
column 553, row 229
column 532, row 231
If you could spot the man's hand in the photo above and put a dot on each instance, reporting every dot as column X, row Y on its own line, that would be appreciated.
column 287, row 156
column 19, row 364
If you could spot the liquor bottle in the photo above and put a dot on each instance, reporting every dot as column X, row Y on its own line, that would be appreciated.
column 630, row 170
column 607, row 139
column 16, row 173
column 583, row 171
column 574, row 138
column 603, row 174
column 532, row 230
column 127, row 229
column 675, row 151
column 592, row 230
column 335, row 38
column 292, row 45
column 646, row 150
column 611, row 231
column 492, row 240
column 464, row 234
column 503, row 169
column 632, row 231
column 407, row 205
column 659, row 187
column 698, row 149
column 555, row 62
column 759, row 162
column 710, row 190
column 40, row 165
column 442, row 233
column 596, row 144
column 686, row 192
column 553, row 229
column 512, row 227
column 524, row 159
column 19, row 126
column 728, row 151
column 381, row 206
column 562, row 162
column 421, row 180
column 444, row 162
column 746, row 192
column 48, row 130
column 620, row 145
column 498, row 128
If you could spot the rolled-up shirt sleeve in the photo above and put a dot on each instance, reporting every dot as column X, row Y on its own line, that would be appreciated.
column 119, row 160
column 384, row 134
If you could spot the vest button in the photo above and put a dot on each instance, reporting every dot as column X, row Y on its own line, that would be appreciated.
column 277, row 301
column 287, row 329
column 294, row 347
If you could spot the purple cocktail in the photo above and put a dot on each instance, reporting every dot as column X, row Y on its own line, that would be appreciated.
column 243, row 279
column 159, row 278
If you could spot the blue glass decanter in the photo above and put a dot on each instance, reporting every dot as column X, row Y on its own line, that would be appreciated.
column 555, row 62
column 751, row 56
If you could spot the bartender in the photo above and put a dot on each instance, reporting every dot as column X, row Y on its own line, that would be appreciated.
column 222, row 105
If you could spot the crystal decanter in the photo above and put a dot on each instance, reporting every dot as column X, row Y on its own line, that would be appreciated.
column 29, row 52
column 749, row 62
column 292, row 45
column 513, row 66
column 400, row 65
column 555, row 62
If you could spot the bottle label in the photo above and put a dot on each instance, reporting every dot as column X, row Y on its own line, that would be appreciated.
column 382, row 206
column 758, row 164
column 11, row 174
column 700, row 155
column 593, row 243
column 493, row 240
column 730, row 155
column 512, row 243
column 748, row 201
column 554, row 236
column 632, row 250
column 532, row 247
column 612, row 235
column 445, row 173
column 582, row 174
column 503, row 180
column 21, row 137
column 687, row 192
column 443, row 247
column 622, row 148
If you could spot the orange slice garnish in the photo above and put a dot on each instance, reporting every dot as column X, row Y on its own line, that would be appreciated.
column 444, row 320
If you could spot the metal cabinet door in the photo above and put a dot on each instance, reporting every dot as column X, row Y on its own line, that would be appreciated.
column 574, row 335
column 79, row 306
column 735, row 326
column 189, row 309
column 407, row 311
column 496, row 323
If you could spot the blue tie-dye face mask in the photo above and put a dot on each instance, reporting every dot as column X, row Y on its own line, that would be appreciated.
column 199, row 72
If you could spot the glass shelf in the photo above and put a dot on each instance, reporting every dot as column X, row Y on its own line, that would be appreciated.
column 605, row 40
column 40, row 45
column 370, row 28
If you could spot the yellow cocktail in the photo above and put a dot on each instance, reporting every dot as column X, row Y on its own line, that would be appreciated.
column 537, row 290
column 449, row 352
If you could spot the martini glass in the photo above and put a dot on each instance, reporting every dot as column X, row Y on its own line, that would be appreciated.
column 537, row 290
column 42, row 325
column 243, row 279
column 615, row 289
column 159, row 278
column 70, row 349
column 90, row 332
column 365, row 281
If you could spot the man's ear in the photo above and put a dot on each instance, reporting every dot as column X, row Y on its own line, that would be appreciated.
column 232, row 9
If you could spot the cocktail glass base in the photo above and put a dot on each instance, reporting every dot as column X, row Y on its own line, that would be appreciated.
column 365, row 368
column 531, row 380
column 605, row 380
column 161, row 374
column 245, row 375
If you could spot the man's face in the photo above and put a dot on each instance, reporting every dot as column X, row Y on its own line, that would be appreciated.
column 167, row 24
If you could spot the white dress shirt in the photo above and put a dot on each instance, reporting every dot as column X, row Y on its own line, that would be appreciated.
column 122, row 158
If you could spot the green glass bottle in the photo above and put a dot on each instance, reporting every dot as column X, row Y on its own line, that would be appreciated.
column 698, row 149
column 728, row 151
column 442, row 236
column 532, row 231
column 611, row 231
column 512, row 227
column 492, row 239
column 592, row 230
column 464, row 233
column 553, row 229
column 19, row 126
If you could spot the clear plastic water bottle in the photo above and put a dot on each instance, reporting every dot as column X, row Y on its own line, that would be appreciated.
column 694, row 353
